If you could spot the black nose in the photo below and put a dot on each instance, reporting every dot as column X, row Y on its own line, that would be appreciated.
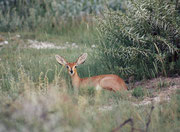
column 71, row 71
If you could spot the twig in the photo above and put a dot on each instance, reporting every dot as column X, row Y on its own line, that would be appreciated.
column 132, row 124
column 149, row 119
column 124, row 123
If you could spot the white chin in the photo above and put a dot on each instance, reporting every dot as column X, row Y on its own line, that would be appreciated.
column 71, row 74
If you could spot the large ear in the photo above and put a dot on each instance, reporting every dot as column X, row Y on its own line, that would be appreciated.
column 60, row 60
column 81, row 59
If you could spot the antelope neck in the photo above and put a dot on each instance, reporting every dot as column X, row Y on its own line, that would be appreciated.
column 75, row 80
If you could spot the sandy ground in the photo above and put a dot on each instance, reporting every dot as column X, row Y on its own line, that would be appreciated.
column 162, row 87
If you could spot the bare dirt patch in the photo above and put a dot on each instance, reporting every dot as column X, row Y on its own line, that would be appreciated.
column 47, row 45
column 161, row 89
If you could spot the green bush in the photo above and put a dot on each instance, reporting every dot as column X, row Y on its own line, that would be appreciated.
column 138, row 92
column 141, row 40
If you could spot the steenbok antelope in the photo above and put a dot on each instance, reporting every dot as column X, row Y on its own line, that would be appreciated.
column 110, row 82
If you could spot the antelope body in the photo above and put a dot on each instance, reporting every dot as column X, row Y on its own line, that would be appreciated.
column 109, row 81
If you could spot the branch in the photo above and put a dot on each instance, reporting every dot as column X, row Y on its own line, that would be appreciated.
column 149, row 119
column 132, row 124
column 124, row 123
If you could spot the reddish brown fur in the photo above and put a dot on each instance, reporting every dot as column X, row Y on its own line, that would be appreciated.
column 108, row 81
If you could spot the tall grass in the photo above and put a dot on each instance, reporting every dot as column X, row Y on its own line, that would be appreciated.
column 36, row 93
column 50, row 107
column 17, row 55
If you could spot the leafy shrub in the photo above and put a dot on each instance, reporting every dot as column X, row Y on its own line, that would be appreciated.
column 138, row 92
column 140, row 40
column 48, row 14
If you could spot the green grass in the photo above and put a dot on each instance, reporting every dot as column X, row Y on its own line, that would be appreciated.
column 138, row 92
column 36, row 94
column 34, row 62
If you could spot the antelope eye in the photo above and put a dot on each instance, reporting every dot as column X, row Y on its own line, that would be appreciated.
column 75, row 66
column 67, row 66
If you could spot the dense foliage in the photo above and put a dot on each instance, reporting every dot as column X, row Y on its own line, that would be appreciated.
column 49, row 14
column 142, row 41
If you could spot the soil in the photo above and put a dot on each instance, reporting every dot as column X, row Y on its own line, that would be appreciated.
column 159, row 89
